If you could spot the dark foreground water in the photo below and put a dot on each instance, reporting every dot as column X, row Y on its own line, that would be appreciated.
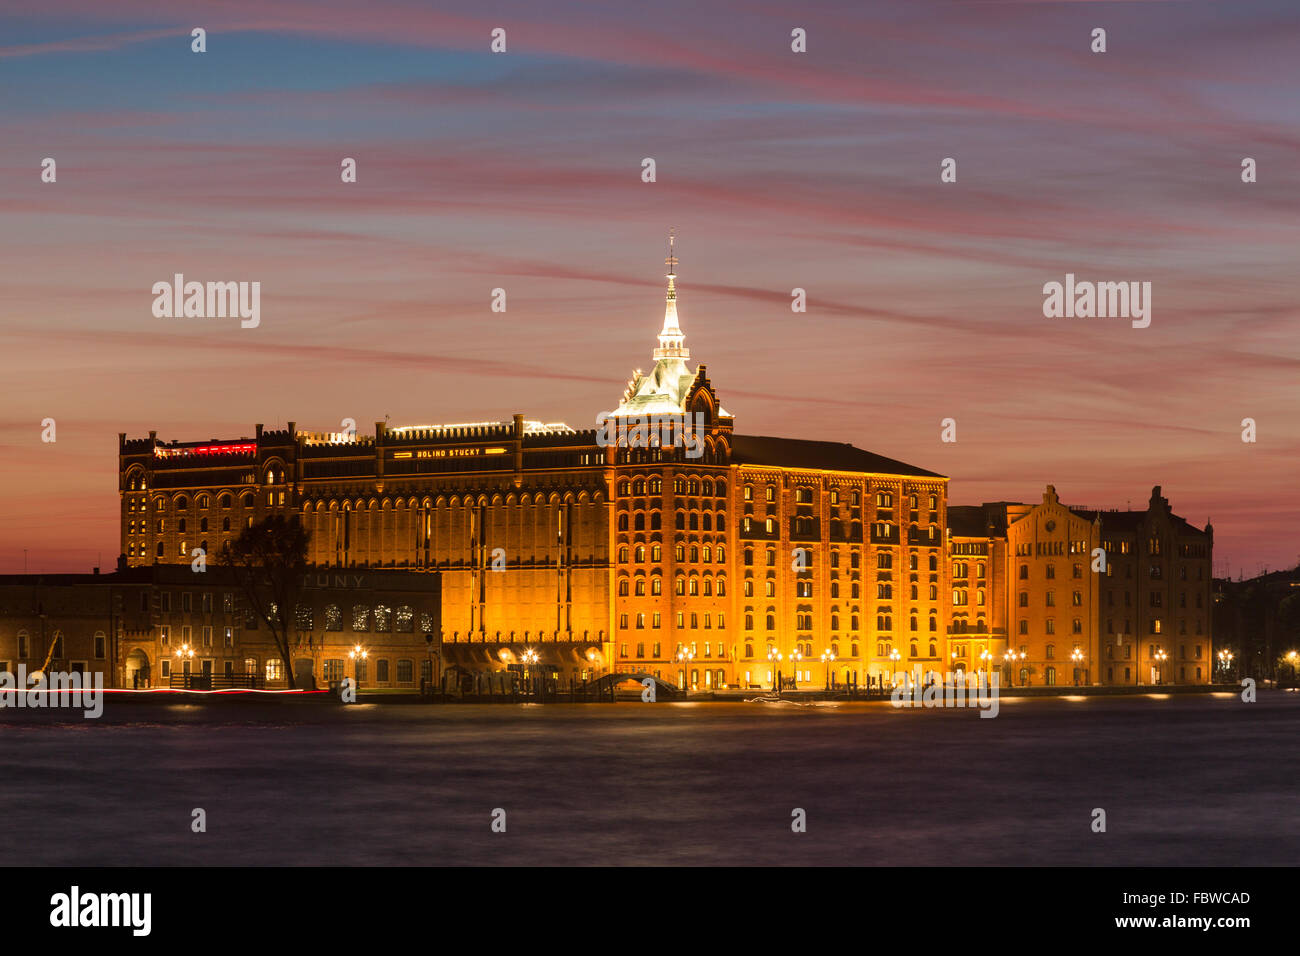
column 1183, row 780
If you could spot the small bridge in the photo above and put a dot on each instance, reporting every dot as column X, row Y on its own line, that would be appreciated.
column 605, row 685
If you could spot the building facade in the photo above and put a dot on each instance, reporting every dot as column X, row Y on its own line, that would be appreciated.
column 140, row 626
column 663, row 542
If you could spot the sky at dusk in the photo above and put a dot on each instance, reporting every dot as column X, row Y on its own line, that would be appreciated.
column 778, row 170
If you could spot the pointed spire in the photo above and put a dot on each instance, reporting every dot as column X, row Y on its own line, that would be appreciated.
column 671, row 340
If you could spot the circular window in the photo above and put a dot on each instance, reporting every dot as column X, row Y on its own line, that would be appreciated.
column 1051, row 526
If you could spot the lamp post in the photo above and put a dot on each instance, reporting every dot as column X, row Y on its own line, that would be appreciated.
column 795, row 657
column 827, row 659
column 1160, row 657
column 434, row 681
column 774, row 658
column 684, row 658
column 987, row 657
column 184, row 654
column 528, row 657
column 894, row 658
column 1076, row 656
column 357, row 655
column 1225, row 662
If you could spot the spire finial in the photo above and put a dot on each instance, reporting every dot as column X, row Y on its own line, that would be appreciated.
column 671, row 340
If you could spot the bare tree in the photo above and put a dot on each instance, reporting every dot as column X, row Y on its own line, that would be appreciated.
column 269, row 559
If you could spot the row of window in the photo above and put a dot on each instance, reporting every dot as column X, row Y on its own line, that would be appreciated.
column 709, row 554
column 683, row 522
column 334, row 669
column 25, row 650
column 160, row 525
column 656, row 621
column 683, row 587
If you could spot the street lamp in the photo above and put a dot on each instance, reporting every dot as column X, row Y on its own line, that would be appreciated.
column 1076, row 655
column 185, row 654
column 774, row 657
column 357, row 655
column 894, row 658
column 827, row 659
column 1225, row 662
column 987, row 657
column 684, row 658
column 529, row 656
column 795, row 657
column 1161, row 657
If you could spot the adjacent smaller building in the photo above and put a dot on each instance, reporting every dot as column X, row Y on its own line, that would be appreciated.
column 140, row 626
column 1055, row 594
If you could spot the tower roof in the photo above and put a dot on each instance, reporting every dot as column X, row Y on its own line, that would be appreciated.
column 665, row 389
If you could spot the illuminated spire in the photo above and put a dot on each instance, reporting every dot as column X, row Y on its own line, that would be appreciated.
column 671, row 340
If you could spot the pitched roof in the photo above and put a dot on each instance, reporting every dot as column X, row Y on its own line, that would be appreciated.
column 828, row 455
column 972, row 521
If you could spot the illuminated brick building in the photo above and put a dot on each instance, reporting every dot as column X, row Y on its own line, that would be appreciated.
column 1140, row 616
column 699, row 555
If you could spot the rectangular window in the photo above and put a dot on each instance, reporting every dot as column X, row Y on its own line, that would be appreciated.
column 381, row 671
column 405, row 671
column 274, row 669
column 100, row 648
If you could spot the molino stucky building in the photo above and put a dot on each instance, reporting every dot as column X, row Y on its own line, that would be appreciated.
column 709, row 557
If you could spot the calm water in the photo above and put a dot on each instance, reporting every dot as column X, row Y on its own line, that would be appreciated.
column 1195, row 780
